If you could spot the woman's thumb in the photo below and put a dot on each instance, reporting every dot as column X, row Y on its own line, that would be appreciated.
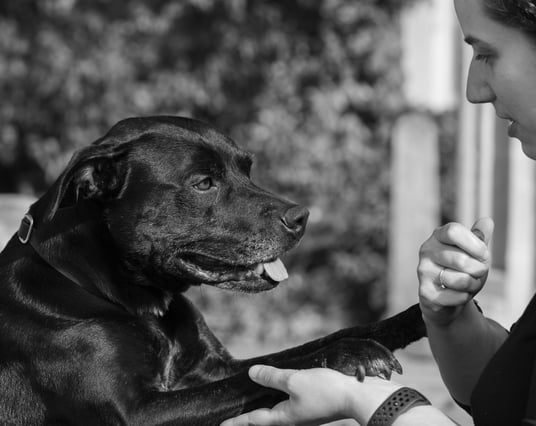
column 271, row 377
column 483, row 229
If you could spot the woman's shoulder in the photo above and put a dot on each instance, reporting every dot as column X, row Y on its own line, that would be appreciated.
column 527, row 319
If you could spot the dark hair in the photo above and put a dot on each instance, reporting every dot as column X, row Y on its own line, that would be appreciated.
column 519, row 14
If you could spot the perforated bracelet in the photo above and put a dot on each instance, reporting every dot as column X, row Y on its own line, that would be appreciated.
column 399, row 402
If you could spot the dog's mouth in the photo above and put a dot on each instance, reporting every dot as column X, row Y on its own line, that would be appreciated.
column 219, row 273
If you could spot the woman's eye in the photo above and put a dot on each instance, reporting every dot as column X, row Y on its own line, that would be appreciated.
column 205, row 184
column 485, row 58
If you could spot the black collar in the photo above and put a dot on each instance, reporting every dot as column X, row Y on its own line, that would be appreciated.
column 37, row 234
column 76, row 244
column 26, row 228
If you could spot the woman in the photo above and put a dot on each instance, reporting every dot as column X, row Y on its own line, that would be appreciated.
column 489, row 371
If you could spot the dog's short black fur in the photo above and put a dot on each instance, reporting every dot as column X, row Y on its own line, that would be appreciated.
column 94, row 328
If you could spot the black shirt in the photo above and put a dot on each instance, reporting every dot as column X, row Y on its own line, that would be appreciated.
column 505, row 394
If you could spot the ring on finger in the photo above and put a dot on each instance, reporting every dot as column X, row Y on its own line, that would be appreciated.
column 440, row 278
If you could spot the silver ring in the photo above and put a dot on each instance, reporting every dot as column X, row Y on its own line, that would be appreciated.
column 441, row 283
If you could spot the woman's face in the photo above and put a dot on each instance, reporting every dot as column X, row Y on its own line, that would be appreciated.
column 502, row 70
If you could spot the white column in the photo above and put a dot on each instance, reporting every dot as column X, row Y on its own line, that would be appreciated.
column 414, row 203
column 428, row 58
column 487, row 160
column 520, row 253
column 467, row 152
column 428, row 48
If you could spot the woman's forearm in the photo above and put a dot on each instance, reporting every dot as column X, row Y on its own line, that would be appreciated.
column 424, row 416
column 463, row 348
column 364, row 399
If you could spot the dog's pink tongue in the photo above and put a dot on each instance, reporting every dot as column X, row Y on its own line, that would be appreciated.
column 276, row 270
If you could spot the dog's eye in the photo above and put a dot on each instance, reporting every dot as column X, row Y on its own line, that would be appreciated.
column 205, row 184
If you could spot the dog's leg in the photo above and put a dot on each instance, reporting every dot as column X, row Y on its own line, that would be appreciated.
column 347, row 351
column 205, row 405
column 360, row 350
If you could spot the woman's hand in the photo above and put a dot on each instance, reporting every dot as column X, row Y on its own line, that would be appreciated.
column 316, row 396
column 453, row 267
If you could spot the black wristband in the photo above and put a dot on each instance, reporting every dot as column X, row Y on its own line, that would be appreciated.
column 399, row 402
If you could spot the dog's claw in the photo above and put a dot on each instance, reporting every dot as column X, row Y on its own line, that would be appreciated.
column 397, row 367
column 363, row 357
column 361, row 373
column 384, row 375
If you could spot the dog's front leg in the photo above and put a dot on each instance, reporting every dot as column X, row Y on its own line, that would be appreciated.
column 204, row 405
column 353, row 351
column 362, row 350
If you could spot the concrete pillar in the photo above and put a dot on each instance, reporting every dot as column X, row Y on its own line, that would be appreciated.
column 520, row 244
column 415, row 203
column 428, row 55
column 428, row 58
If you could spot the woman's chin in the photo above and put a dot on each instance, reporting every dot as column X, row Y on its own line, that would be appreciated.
column 529, row 148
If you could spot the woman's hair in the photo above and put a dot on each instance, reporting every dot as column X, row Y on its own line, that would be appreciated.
column 519, row 14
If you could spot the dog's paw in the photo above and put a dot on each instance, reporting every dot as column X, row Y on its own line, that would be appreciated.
column 362, row 357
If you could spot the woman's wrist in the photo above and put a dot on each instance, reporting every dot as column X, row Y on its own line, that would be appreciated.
column 366, row 397
column 399, row 402
column 424, row 416
column 458, row 315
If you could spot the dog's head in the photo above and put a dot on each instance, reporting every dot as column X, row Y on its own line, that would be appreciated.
column 177, row 200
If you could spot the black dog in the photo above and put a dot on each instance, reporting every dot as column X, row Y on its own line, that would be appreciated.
column 94, row 328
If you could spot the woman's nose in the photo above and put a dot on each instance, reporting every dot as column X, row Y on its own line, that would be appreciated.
column 478, row 89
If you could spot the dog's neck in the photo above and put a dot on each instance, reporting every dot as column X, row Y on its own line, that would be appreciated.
column 77, row 244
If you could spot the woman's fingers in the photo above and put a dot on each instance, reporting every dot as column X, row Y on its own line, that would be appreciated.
column 271, row 377
column 455, row 247
column 453, row 266
column 483, row 229
column 444, row 296
column 450, row 279
column 462, row 240
column 458, row 260
column 260, row 417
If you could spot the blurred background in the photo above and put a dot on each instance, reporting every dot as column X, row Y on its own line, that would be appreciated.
column 352, row 108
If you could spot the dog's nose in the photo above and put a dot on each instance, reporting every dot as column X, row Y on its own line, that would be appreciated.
column 295, row 219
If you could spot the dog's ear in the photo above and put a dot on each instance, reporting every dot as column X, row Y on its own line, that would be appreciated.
column 94, row 172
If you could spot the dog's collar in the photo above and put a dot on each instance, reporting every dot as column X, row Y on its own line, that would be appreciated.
column 90, row 272
column 28, row 229
column 31, row 233
column 65, row 216
column 25, row 229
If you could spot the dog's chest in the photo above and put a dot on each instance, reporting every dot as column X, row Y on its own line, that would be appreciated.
column 169, row 355
column 187, row 355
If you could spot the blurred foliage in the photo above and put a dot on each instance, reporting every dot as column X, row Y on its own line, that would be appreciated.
column 312, row 87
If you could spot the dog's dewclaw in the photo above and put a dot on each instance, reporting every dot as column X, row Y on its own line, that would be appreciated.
column 276, row 270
